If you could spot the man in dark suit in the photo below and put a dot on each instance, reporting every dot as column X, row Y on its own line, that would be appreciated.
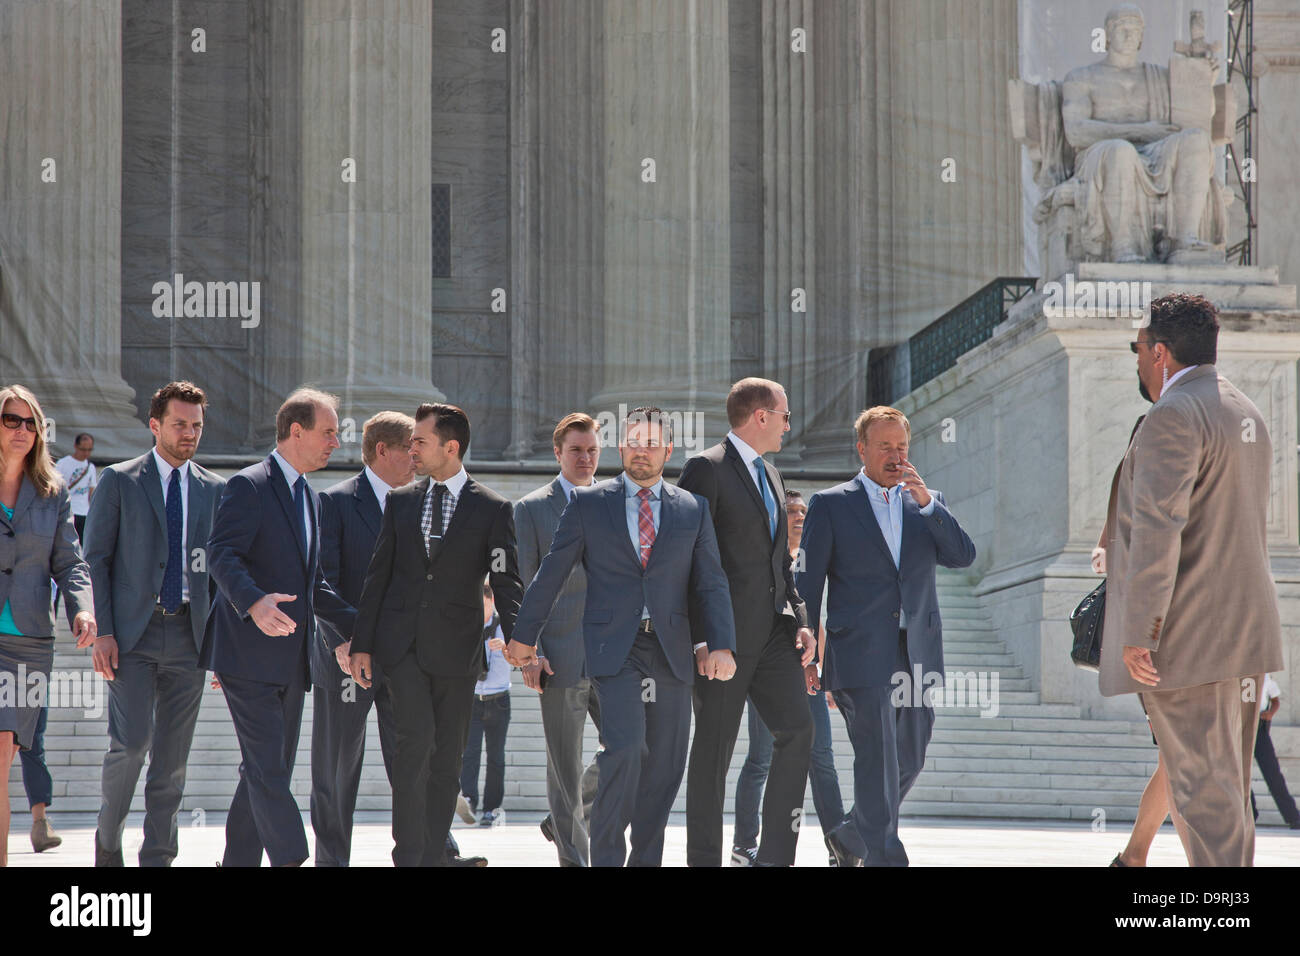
column 650, row 553
column 567, row 694
column 421, row 620
column 877, row 539
column 145, row 535
column 746, row 499
column 264, row 553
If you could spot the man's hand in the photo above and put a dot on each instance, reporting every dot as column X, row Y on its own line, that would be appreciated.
column 1098, row 560
column 520, row 654
column 342, row 655
column 812, row 680
column 360, row 669
column 805, row 642
column 533, row 673
column 1140, row 667
column 104, row 656
column 830, row 700
column 496, row 644
column 702, row 660
column 719, row 665
column 269, row 619
column 83, row 628
column 913, row 483
column 1274, row 706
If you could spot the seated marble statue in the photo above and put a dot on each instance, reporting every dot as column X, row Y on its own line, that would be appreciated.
column 1142, row 187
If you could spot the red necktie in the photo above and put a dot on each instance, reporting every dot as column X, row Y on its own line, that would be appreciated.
column 645, row 525
column 885, row 492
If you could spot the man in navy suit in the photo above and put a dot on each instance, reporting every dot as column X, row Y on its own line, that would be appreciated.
column 264, row 557
column 877, row 539
column 652, row 565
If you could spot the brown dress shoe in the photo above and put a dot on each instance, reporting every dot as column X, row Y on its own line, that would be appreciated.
column 43, row 836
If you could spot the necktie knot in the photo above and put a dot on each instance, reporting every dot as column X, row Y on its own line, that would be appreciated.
column 884, row 492
column 644, row 494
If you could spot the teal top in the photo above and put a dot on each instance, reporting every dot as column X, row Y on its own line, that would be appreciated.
column 7, row 625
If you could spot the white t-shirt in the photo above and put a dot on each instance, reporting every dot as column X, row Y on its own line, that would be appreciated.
column 81, row 478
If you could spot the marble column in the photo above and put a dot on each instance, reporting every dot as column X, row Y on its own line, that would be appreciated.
column 60, row 241
column 666, row 243
column 366, row 263
column 557, row 234
column 789, row 234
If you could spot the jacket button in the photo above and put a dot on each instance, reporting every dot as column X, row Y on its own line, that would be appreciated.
column 771, row 590
column 895, row 615
column 163, row 565
column 428, row 577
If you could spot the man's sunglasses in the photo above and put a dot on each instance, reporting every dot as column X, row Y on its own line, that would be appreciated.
column 13, row 421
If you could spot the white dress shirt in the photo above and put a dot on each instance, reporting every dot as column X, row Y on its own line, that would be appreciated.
column 749, row 456
column 569, row 487
column 889, row 515
column 165, row 473
column 1175, row 377
column 381, row 488
column 291, row 475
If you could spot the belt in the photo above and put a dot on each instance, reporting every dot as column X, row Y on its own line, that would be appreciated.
column 486, row 697
column 182, row 611
column 647, row 626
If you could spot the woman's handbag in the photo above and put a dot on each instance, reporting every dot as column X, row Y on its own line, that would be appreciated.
column 1086, row 622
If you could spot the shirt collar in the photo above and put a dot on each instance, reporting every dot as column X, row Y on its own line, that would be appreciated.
column 381, row 487
column 1175, row 377
column 291, row 474
column 871, row 487
column 165, row 469
column 630, row 487
column 569, row 486
column 747, row 453
column 455, row 484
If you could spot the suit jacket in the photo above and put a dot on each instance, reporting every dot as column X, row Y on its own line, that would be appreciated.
column 537, row 515
column 437, row 604
column 38, row 544
column 842, row 542
column 350, row 516
column 758, row 568
column 682, row 584
column 254, row 550
column 126, row 546
column 1189, row 542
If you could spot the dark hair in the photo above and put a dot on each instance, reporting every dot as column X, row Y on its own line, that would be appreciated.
column 300, row 409
column 186, row 392
column 80, row 435
column 450, row 424
column 791, row 493
column 651, row 415
column 579, row 421
column 1188, row 325
column 747, row 396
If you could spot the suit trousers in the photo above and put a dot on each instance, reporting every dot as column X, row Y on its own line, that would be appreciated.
column 645, row 716
column 1207, row 740
column 889, row 742
column 263, row 812
column 153, row 706
column 1266, row 757
column 431, row 717
column 570, row 790
column 773, row 680
column 338, row 750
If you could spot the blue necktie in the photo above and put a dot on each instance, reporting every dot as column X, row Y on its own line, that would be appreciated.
column 299, row 503
column 170, row 595
column 769, row 503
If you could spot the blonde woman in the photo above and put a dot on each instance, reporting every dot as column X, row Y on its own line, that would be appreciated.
column 37, row 542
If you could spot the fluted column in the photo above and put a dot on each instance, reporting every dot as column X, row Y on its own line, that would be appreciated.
column 366, row 290
column 667, row 243
column 1277, row 55
column 789, row 255
column 60, row 241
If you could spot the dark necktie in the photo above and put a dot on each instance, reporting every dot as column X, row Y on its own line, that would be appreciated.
column 170, row 595
column 299, row 505
column 435, row 519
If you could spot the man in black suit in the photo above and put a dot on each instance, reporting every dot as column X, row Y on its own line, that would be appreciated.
column 421, row 620
column 264, row 553
column 774, row 644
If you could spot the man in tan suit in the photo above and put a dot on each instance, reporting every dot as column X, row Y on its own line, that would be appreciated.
column 1191, row 615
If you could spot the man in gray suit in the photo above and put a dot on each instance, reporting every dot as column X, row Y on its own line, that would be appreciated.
column 146, row 536
column 1191, row 609
column 560, row 674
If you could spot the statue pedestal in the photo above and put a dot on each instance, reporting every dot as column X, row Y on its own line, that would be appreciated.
column 1228, row 287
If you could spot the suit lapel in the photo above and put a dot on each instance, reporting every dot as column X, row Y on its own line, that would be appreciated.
column 747, row 479
column 558, row 501
column 614, row 504
column 198, row 498
column 367, row 503
column 668, row 503
column 860, row 505
column 280, row 488
column 151, row 482
column 26, row 495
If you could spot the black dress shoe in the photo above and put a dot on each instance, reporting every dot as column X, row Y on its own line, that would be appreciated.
column 841, row 851
column 548, row 828
column 104, row 857
column 468, row 861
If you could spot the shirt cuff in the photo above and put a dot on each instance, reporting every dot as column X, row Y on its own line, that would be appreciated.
column 699, row 645
column 928, row 509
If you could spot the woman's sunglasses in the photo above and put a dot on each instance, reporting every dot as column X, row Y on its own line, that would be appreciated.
column 13, row 421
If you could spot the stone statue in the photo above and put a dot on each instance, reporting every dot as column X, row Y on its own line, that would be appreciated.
column 1125, row 154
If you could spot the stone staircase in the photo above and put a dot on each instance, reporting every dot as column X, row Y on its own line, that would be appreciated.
column 1032, row 761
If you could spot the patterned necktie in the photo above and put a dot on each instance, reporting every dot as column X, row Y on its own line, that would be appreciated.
column 434, row 538
column 170, row 595
column 769, row 503
column 645, row 525
column 299, row 503
column 885, row 493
